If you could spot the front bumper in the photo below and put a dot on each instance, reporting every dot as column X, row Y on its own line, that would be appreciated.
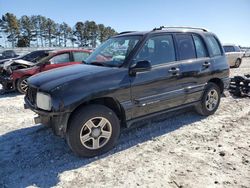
column 58, row 121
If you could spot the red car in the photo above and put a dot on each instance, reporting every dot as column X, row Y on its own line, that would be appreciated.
column 59, row 58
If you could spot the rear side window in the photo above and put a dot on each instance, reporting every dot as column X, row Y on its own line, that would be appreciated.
column 237, row 48
column 228, row 48
column 214, row 45
column 185, row 46
column 200, row 48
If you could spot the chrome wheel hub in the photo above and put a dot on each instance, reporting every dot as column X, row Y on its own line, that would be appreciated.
column 95, row 133
column 212, row 100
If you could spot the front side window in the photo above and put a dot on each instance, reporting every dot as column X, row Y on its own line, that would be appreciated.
column 80, row 56
column 201, row 50
column 157, row 50
column 62, row 58
column 114, row 51
column 185, row 46
column 214, row 45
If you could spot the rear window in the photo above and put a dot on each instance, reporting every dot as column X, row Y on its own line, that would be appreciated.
column 214, row 45
column 186, row 46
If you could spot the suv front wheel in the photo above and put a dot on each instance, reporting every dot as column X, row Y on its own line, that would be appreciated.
column 93, row 130
column 210, row 100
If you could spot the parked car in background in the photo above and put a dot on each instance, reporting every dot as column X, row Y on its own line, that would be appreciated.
column 33, row 56
column 247, row 53
column 16, row 79
column 130, row 77
column 234, row 55
column 7, row 54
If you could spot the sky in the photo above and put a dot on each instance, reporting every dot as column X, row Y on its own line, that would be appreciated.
column 228, row 19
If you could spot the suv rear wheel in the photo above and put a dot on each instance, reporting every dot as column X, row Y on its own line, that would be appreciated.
column 93, row 130
column 210, row 100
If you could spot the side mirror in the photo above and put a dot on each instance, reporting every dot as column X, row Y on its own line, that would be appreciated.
column 140, row 66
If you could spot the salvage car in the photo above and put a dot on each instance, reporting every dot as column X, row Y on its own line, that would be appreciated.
column 7, row 54
column 33, row 56
column 234, row 55
column 13, row 78
column 130, row 77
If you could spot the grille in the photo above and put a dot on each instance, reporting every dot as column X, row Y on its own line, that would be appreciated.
column 31, row 95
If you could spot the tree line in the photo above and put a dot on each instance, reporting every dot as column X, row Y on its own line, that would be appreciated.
column 41, row 31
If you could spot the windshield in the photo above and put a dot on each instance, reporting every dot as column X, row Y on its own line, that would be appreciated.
column 113, row 52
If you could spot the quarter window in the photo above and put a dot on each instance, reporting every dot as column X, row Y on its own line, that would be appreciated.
column 214, row 45
column 185, row 46
column 62, row 58
column 200, row 47
column 158, row 50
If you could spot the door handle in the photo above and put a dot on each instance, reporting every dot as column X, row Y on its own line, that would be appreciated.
column 206, row 64
column 174, row 70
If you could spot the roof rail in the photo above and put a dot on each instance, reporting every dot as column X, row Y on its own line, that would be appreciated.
column 124, row 32
column 179, row 27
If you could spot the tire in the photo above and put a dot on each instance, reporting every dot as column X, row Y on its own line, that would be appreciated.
column 237, row 63
column 208, row 105
column 22, row 85
column 86, row 122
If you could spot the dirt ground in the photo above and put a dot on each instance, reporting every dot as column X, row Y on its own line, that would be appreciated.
column 180, row 150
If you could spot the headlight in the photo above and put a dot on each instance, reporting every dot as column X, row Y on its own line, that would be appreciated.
column 43, row 101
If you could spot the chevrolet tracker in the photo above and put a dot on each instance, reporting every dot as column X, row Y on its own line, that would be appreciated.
column 131, row 76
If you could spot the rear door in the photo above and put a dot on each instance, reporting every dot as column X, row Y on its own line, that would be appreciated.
column 195, row 64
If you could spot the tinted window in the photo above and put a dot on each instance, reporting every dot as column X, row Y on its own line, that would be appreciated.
column 157, row 50
column 185, row 46
column 237, row 48
column 214, row 45
column 228, row 48
column 80, row 56
column 62, row 58
column 201, row 50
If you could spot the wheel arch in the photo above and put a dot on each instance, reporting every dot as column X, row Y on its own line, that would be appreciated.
column 109, row 102
column 218, row 82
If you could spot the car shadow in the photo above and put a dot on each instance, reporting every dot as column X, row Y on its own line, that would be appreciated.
column 34, row 156
column 5, row 94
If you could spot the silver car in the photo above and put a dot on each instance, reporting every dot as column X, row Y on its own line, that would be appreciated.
column 234, row 55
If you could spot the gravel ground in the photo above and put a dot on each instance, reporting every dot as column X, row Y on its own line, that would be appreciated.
column 177, row 150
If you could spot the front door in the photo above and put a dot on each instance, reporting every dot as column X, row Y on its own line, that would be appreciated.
column 159, row 88
column 59, row 60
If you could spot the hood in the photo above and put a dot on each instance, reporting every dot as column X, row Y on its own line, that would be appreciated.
column 18, row 61
column 49, row 80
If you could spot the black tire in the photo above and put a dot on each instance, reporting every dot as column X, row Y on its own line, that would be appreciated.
column 202, row 108
column 237, row 63
column 78, row 124
column 21, row 85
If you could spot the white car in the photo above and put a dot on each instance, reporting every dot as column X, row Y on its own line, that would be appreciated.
column 234, row 55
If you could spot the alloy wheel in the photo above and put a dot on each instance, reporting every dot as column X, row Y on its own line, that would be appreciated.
column 212, row 100
column 95, row 133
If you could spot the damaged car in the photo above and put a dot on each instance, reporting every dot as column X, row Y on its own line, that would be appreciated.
column 14, row 76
